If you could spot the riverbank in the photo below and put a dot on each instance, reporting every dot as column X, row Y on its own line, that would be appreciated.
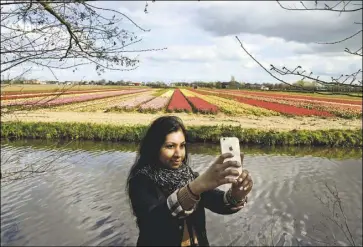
column 202, row 133
column 337, row 153
column 275, row 123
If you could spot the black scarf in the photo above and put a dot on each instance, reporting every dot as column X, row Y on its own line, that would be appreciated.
column 168, row 179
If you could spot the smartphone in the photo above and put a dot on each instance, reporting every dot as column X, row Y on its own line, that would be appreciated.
column 231, row 145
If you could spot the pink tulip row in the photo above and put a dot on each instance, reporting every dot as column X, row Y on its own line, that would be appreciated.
column 132, row 103
column 76, row 99
column 43, row 94
column 156, row 104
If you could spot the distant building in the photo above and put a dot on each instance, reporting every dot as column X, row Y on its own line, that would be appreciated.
column 32, row 82
column 52, row 82
column 225, row 84
column 134, row 83
column 264, row 88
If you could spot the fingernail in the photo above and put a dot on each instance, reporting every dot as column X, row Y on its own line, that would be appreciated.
column 241, row 188
column 245, row 188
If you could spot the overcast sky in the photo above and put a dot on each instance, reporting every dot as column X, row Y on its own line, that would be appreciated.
column 201, row 44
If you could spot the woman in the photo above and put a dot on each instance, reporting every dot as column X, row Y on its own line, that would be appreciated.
column 169, row 199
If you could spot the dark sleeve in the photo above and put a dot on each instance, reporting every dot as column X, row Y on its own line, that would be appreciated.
column 149, row 206
column 214, row 200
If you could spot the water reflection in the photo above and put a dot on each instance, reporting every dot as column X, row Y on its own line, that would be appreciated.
column 196, row 148
column 83, row 202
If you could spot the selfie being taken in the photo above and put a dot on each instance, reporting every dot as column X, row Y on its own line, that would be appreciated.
column 169, row 199
column 181, row 123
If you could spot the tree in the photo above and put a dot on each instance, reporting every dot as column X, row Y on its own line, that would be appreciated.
column 350, row 81
column 66, row 35
column 61, row 35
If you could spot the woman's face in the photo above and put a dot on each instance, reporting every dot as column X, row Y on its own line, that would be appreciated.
column 172, row 152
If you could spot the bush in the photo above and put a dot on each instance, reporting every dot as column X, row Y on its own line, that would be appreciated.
column 103, row 132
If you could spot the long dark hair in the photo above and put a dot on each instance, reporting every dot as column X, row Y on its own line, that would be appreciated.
column 149, row 149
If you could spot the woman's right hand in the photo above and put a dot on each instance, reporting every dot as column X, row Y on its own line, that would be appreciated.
column 216, row 175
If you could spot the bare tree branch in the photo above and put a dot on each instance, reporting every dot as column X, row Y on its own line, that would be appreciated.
column 326, row 7
column 347, row 82
column 48, row 33
column 340, row 41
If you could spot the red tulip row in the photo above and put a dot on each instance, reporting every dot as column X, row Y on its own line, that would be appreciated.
column 199, row 104
column 282, row 108
column 178, row 103
column 303, row 97
column 339, row 110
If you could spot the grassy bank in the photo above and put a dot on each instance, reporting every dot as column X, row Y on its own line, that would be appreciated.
column 339, row 153
column 88, row 131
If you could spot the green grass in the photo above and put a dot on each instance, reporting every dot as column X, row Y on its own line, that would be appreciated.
column 212, row 134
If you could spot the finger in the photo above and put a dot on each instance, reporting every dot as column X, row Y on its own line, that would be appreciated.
column 230, row 163
column 228, row 181
column 242, row 157
column 222, row 157
column 230, row 172
column 246, row 181
column 243, row 176
column 249, row 186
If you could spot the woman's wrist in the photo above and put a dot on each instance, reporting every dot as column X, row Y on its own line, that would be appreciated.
column 195, row 187
column 186, row 200
column 192, row 193
column 235, row 199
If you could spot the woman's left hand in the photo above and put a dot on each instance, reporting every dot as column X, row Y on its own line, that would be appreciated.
column 243, row 186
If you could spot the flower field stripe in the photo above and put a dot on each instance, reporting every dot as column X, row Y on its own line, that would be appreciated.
column 337, row 109
column 232, row 107
column 199, row 104
column 158, row 103
column 178, row 103
column 81, row 98
column 282, row 108
column 96, row 105
column 32, row 101
column 315, row 100
column 167, row 94
column 114, row 101
column 65, row 92
column 302, row 97
column 133, row 103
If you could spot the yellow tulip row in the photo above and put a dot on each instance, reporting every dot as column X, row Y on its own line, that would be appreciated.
column 167, row 94
column 187, row 93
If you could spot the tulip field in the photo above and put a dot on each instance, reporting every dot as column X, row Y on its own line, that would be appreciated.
column 192, row 101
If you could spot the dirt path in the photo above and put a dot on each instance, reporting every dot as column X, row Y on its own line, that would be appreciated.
column 265, row 123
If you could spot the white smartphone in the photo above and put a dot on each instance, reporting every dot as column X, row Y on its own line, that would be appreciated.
column 231, row 145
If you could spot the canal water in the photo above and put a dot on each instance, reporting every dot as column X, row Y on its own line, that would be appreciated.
column 81, row 200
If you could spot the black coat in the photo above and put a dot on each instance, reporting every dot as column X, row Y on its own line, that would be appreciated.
column 157, row 226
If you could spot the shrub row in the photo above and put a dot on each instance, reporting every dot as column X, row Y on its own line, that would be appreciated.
column 134, row 133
